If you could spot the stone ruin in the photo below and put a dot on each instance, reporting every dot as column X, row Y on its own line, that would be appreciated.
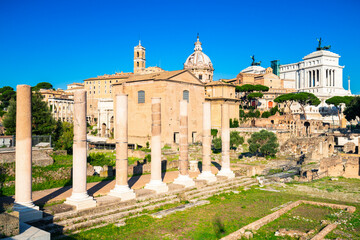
column 28, row 211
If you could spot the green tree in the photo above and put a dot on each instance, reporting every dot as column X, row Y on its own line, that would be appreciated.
column 288, row 99
column 66, row 138
column 337, row 101
column 306, row 99
column 263, row 142
column 6, row 94
column 42, row 121
column 9, row 120
column 42, row 85
column 249, row 89
column 235, row 139
column 352, row 111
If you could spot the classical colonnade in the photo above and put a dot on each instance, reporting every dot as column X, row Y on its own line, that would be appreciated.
column 80, row 198
column 61, row 109
column 314, row 77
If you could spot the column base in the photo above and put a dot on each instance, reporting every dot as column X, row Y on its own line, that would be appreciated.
column 207, row 176
column 123, row 192
column 158, row 186
column 185, row 181
column 27, row 211
column 226, row 173
column 81, row 201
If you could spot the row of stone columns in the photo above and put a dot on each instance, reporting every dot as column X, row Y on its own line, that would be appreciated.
column 80, row 198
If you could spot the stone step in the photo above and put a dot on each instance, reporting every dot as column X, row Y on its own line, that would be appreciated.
column 138, row 206
column 116, row 203
column 113, row 211
column 110, row 213
column 218, row 184
column 211, row 192
column 116, row 217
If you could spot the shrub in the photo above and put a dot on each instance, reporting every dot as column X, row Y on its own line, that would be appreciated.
column 274, row 110
column 265, row 114
column 263, row 142
column 217, row 144
column 234, row 123
column 235, row 139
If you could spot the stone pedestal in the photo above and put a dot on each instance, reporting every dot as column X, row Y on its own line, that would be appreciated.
column 122, row 189
column 206, row 173
column 183, row 178
column 80, row 198
column 23, row 180
column 156, row 184
column 225, row 137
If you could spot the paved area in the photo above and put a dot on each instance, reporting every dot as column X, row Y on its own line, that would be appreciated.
column 97, row 188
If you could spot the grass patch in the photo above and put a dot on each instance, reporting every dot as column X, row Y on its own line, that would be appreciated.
column 226, row 213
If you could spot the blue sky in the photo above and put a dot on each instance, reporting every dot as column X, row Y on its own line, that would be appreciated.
column 68, row 41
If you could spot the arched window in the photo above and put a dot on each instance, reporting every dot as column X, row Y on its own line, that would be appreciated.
column 186, row 95
column 141, row 96
column 200, row 77
column 137, row 53
column 137, row 64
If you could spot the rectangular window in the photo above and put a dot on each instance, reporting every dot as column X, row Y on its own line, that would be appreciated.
column 141, row 97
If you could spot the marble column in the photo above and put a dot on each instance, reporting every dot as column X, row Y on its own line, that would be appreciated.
column 80, row 198
column 122, row 189
column 23, row 193
column 156, row 182
column 206, row 145
column 225, row 137
column 184, row 178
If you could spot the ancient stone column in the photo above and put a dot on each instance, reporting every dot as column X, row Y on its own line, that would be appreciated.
column 156, row 182
column 225, row 137
column 80, row 198
column 23, row 194
column 122, row 189
column 206, row 145
column 183, row 178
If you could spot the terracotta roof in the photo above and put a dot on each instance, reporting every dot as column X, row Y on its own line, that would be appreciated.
column 112, row 76
column 219, row 83
column 229, row 80
column 167, row 75
column 75, row 84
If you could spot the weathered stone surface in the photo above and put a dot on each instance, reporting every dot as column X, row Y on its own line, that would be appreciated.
column 136, row 154
column 179, row 208
column 90, row 171
column 349, row 147
column 9, row 224
column 40, row 157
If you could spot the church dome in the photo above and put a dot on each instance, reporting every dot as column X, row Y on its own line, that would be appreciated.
column 254, row 69
column 198, row 59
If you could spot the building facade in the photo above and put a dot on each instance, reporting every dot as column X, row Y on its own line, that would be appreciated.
column 318, row 73
column 61, row 104
column 171, row 87
column 218, row 93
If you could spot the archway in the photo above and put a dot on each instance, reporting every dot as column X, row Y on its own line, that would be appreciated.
column 103, row 130
column 307, row 128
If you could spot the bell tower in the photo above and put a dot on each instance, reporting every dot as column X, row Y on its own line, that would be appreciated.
column 139, row 59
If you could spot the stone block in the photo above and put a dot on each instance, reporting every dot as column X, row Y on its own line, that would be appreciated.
column 349, row 147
